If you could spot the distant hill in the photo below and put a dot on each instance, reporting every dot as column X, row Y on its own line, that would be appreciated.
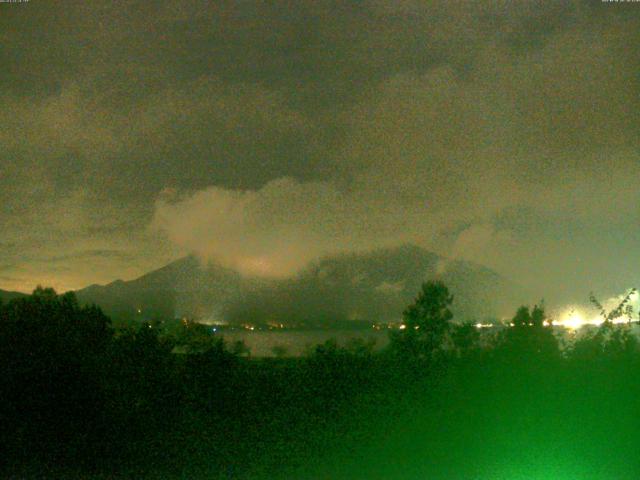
column 377, row 286
column 6, row 296
column 183, row 287
column 371, row 286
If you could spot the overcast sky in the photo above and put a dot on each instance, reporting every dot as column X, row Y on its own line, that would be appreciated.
column 262, row 135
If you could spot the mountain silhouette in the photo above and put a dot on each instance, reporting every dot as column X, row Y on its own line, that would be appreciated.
column 373, row 286
column 6, row 296
column 184, row 287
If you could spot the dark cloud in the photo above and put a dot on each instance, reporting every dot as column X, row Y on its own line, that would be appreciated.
column 89, row 254
column 9, row 279
column 264, row 135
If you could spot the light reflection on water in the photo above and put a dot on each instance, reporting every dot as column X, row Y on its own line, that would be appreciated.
column 297, row 343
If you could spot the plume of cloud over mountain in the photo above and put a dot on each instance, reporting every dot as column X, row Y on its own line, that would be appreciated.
column 280, row 228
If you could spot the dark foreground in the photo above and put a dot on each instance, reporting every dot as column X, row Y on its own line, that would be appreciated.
column 80, row 400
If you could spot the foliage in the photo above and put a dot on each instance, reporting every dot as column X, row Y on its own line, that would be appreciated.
column 426, row 323
column 130, row 403
column 466, row 338
column 53, row 356
column 531, row 335
column 606, row 342
column 622, row 309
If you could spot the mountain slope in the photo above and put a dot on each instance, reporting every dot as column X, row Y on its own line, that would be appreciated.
column 7, row 296
column 171, row 291
column 372, row 286
column 377, row 286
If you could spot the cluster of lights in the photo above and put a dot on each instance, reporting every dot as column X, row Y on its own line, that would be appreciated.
column 484, row 325
column 574, row 319
column 385, row 326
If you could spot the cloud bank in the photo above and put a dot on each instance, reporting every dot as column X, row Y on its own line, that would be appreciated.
column 502, row 132
column 525, row 162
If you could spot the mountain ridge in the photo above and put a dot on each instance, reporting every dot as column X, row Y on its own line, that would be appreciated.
column 8, row 295
column 374, row 285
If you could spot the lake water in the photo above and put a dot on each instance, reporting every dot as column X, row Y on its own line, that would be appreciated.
column 297, row 343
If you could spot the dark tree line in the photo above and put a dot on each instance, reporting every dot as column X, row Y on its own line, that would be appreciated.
column 80, row 397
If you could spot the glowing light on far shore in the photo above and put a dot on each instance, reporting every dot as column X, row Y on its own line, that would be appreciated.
column 574, row 319
column 484, row 325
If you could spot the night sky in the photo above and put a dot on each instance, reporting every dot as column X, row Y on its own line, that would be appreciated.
column 262, row 135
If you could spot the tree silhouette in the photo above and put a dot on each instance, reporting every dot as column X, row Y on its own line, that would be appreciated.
column 531, row 334
column 465, row 337
column 52, row 353
column 622, row 309
column 426, row 323
column 522, row 318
